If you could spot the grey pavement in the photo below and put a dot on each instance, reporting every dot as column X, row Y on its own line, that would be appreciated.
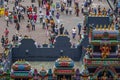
column 40, row 35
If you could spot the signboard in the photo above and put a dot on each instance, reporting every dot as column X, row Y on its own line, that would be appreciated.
column 64, row 71
column 64, row 64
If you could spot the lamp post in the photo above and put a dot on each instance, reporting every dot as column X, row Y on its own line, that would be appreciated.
column 61, row 52
column 26, row 51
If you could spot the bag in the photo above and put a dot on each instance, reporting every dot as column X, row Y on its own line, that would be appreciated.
column 6, row 18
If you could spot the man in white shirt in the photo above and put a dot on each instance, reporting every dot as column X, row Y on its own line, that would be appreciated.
column 74, row 32
column 41, row 15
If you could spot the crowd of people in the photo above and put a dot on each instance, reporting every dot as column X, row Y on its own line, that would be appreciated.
column 50, row 20
column 33, row 14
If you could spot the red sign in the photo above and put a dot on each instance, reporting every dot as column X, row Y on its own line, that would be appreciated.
column 64, row 64
column 64, row 71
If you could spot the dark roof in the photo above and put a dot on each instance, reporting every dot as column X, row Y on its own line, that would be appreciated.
column 98, row 21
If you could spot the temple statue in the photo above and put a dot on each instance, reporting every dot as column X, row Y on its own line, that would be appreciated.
column 108, row 27
column 97, row 27
column 112, row 27
column 104, row 77
column 63, row 78
column 105, row 27
column 89, row 50
column 101, row 27
column 105, row 49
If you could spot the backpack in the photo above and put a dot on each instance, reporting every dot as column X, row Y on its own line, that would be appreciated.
column 57, row 5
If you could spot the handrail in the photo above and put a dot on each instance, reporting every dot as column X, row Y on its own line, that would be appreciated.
column 110, row 5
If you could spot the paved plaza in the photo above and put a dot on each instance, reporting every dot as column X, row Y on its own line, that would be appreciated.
column 40, row 35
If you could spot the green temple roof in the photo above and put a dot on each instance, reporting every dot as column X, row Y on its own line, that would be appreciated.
column 109, row 41
column 21, row 73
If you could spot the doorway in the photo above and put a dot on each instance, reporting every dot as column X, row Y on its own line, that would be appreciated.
column 64, row 77
column 108, row 75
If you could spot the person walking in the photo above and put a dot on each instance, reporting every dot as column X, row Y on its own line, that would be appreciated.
column 6, row 32
column 66, row 32
column 35, row 17
column 61, row 29
column 15, row 18
column 58, row 18
column 19, row 17
column 17, row 27
column 43, row 23
column 70, row 10
column 77, row 11
column 66, row 10
column 41, row 15
column 7, row 21
column 2, row 40
column 33, row 25
column 10, row 18
column 79, row 28
column 56, row 30
column 57, row 15
column 73, row 33
column 28, row 26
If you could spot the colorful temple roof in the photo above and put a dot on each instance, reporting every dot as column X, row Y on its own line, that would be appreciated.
column 43, row 72
column 21, row 66
column 64, row 65
column 21, row 69
column 64, row 62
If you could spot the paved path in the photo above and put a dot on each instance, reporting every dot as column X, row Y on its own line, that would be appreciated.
column 40, row 35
